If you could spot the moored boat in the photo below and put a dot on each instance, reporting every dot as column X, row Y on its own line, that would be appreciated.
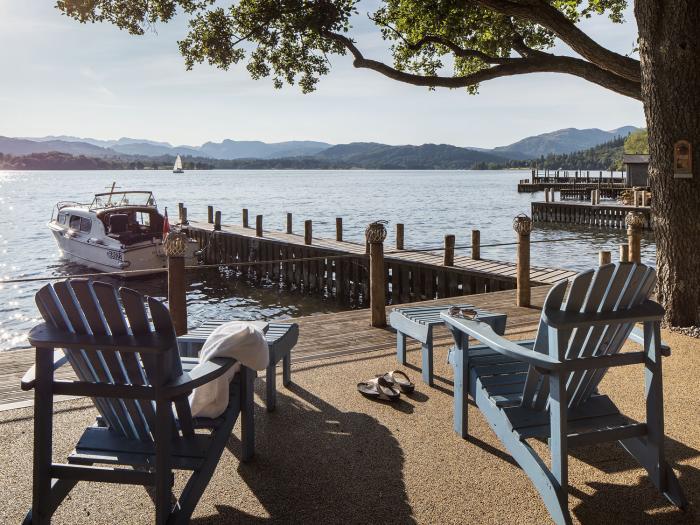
column 120, row 230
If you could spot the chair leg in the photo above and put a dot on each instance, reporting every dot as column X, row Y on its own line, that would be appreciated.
column 43, row 428
column 461, row 391
column 287, row 369
column 163, row 473
column 270, row 387
column 59, row 490
column 427, row 356
column 247, row 414
column 401, row 348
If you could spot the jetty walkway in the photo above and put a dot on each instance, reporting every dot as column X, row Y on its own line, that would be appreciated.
column 339, row 268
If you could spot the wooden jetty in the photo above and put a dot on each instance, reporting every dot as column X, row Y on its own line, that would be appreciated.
column 321, row 337
column 340, row 269
column 602, row 215
column 584, row 194
column 564, row 180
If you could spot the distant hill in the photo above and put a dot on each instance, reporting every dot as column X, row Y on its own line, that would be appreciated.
column 314, row 154
column 371, row 155
column 563, row 141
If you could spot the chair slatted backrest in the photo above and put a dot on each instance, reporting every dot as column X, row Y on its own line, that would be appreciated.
column 83, row 307
column 610, row 288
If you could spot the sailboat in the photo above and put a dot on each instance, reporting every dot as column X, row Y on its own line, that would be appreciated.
column 177, row 168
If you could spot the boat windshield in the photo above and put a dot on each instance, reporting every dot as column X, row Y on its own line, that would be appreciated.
column 123, row 198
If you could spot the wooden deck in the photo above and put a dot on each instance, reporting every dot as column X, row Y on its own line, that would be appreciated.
column 327, row 336
column 604, row 215
column 427, row 260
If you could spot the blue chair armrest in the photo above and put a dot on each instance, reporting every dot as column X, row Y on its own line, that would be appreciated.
column 188, row 381
column 484, row 333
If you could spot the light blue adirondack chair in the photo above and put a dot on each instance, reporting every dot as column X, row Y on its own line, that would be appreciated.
column 548, row 387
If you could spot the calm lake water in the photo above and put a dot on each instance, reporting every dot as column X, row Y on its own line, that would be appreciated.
column 429, row 203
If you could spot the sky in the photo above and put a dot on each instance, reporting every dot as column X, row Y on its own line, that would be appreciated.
column 59, row 77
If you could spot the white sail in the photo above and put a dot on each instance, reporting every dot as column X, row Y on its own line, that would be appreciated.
column 178, row 165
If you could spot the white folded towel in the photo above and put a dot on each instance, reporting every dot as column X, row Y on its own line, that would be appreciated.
column 241, row 340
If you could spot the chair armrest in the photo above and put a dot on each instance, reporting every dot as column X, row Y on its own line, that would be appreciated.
column 637, row 336
column 484, row 333
column 647, row 311
column 46, row 336
column 206, row 372
column 29, row 378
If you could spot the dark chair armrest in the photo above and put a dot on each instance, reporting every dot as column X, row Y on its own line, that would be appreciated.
column 29, row 378
column 188, row 381
column 46, row 336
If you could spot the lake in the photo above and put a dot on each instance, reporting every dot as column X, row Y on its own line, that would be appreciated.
column 429, row 203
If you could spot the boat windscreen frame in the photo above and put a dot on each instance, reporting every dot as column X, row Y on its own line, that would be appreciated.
column 98, row 203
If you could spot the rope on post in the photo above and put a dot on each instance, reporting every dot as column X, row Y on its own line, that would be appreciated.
column 635, row 221
column 375, row 234
column 175, row 246
column 522, row 224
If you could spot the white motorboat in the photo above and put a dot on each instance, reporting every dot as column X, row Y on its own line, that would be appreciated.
column 120, row 230
column 177, row 168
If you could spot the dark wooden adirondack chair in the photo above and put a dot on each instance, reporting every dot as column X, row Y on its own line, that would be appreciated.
column 131, row 369
column 548, row 387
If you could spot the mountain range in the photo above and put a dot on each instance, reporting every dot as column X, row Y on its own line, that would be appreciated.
column 357, row 154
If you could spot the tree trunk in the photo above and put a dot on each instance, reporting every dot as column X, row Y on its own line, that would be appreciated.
column 669, row 48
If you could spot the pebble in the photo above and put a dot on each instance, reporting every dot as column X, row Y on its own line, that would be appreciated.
column 690, row 331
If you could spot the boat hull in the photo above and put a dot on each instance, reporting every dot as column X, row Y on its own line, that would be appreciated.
column 143, row 258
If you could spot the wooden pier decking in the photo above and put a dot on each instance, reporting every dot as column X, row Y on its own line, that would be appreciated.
column 326, row 336
column 601, row 215
column 342, row 270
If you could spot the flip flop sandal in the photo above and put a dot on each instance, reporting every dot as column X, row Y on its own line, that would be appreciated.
column 404, row 383
column 378, row 388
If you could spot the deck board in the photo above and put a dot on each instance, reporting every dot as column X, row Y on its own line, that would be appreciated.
column 324, row 336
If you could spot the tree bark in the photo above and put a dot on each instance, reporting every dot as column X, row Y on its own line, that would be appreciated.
column 669, row 48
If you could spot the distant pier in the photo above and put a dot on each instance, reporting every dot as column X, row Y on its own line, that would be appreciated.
column 565, row 180
column 604, row 215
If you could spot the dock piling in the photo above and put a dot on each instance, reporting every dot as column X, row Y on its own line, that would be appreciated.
column 399, row 236
column 624, row 253
column 476, row 245
column 217, row 221
column 174, row 247
column 603, row 257
column 210, row 214
column 339, row 229
column 374, row 236
column 634, row 222
column 180, row 207
column 244, row 216
column 307, row 232
column 449, row 258
column 289, row 223
column 258, row 225
column 522, row 224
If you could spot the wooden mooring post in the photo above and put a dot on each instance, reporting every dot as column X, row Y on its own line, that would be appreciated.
column 217, row 221
column 258, row 225
column 244, row 217
column 399, row 236
column 634, row 222
column 210, row 214
column 308, row 232
column 624, row 253
column 339, row 229
column 175, row 247
column 449, row 257
column 603, row 257
column 476, row 245
column 289, row 223
column 522, row 224
column 374, row 236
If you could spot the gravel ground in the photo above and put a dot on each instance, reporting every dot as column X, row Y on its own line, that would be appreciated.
column 328, row 455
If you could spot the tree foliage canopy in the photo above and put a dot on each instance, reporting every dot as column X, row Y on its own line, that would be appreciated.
column 434, row 43
column 638, row 142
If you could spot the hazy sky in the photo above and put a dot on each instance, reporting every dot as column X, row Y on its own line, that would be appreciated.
column 60, row 77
